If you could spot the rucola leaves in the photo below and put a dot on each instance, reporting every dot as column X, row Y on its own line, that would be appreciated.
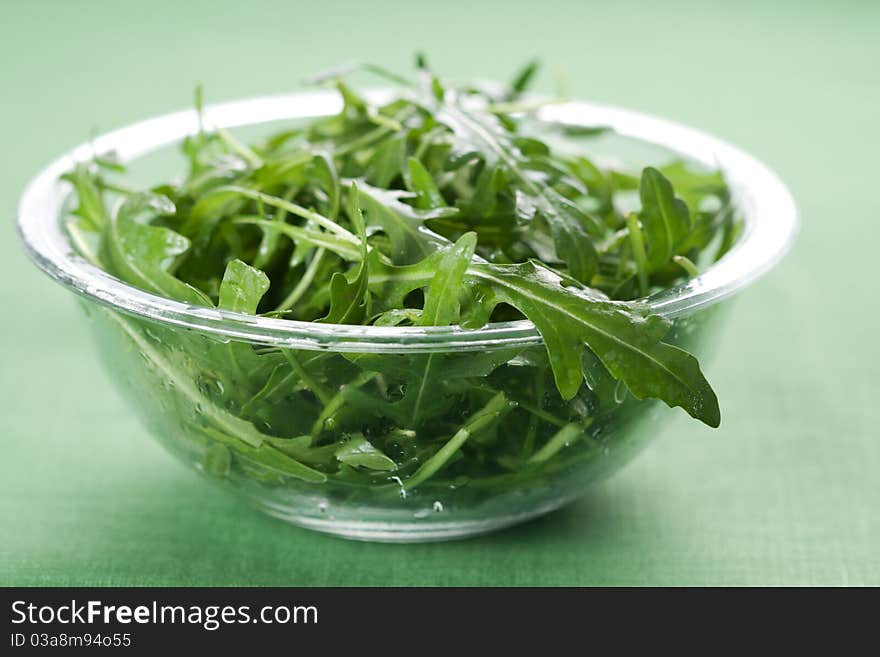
column 665, row 217
column 484, row 134
column 421, row 183
column 242, row 288
column 442, row 301
column 446, row 206
column 143, row 254
column 350, row 299
column 359, row 452
column 625, row 337
column 411, row 240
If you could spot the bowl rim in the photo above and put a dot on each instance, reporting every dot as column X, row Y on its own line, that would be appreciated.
column 767, row 206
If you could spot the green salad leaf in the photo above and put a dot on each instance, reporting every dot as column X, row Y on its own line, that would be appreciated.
column 625, row 337
column 448, row 206
column 143, row 254
column 350, row 299
column 665, row 218
column 442, row 300
column 242, row 287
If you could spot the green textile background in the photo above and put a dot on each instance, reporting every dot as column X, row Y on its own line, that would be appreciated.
column 786, row 492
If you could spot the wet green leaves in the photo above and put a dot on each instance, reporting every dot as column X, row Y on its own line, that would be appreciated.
column 665, row 218
column 349, row 292
column 242, row 287
column 625, row 337
column 142, row 254
column 450, row 205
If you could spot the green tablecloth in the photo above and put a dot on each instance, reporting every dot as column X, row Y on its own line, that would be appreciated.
column 786, row 492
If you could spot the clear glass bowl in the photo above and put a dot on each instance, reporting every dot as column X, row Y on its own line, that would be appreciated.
column 173, row 360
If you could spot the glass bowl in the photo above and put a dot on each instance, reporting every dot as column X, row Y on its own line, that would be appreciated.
column 530, row 451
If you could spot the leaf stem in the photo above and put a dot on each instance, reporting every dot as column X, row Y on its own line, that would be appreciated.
column 246, row 153
column 374, row 135
column 541, row 414
column 306, row 378
column 293, row 209
column 532, row 431
column 479, row 420
column 687, row 265
column 334, row 403
column 638, row 247
column 562, row 438
column 304, row 282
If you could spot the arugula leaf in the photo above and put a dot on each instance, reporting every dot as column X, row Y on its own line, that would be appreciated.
column 446, row 287
column 449, row 205
column 665, row 218
column 242, row 287
column 270, row 458
column 359, row 452
column 313, row 238
column 322, row 170
column 420, row 183
column 142, row 255
column 441, row 308
column 350, row 300
column 523, row 79
column 386, row 163
column 405, row 226
column 91, row 208
column 485, row 134
column 626, row 338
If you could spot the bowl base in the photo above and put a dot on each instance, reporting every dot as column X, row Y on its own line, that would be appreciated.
column 406, row 532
